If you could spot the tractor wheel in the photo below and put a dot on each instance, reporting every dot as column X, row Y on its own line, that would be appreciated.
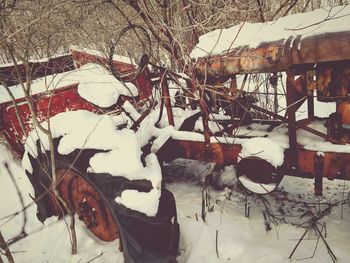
column 257, row 175
column 76, row 192
column 92, row 196
column 84, row 199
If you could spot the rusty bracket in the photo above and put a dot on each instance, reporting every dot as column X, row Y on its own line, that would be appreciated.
column 136, row 124
column 318, row 174
column 292, row 127
column 205, row 120
column 300, row 125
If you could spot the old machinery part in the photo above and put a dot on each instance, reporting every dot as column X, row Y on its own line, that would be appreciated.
column 275, row 56
column 257, row 175
column 343, row 109
column 92, row 196
column 140, row 53
column 84, row 200
column 338, row 123
column 333, row 82
column 334, row 126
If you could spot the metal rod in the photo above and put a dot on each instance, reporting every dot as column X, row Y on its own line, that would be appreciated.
column 300, row 125
column 292, row 127
column 318, row 174
column 166, row 97
column 205, row 120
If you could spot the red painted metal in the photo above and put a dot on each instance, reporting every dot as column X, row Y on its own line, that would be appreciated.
column 292, row 128
column 62, row 99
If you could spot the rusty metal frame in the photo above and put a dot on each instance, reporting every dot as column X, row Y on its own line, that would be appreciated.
column 278, row 56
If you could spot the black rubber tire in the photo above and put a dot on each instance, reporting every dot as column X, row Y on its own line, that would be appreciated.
column 258, row 171
column 144, row 238
column 79, row 161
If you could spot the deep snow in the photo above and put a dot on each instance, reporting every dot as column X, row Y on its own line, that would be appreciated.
column 240, row 239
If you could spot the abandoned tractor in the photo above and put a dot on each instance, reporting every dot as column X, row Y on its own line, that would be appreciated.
column 147, row 236
column 241, row 107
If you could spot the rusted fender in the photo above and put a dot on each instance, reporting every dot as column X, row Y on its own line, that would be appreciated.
column 276, row 56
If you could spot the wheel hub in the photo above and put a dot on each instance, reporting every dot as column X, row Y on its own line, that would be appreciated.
column 83, row 198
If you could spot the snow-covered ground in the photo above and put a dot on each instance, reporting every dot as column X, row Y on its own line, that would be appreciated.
column 239, row 238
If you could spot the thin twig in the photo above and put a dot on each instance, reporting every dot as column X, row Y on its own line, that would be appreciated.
column 19, row 194
column 98, row 256
column 216, row 243
column 4, row 246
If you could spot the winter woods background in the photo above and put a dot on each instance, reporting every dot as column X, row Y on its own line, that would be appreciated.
column 38, row 29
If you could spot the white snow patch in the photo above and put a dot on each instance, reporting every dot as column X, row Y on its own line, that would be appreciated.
column 162, row 135
column 226, row 177
column 93, row 132
column 214, row 127
column 96, row 85
column 143, row 202
column 263, row 148
column 101, row 88
column 317, row 22
column 123, row 156
column 122, row 159
column 149, row 129
column 130, row 109
column 34, row 60
column 257, row 188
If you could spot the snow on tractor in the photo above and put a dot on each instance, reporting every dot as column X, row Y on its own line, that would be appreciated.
column 102, row 175
column 239, row 105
